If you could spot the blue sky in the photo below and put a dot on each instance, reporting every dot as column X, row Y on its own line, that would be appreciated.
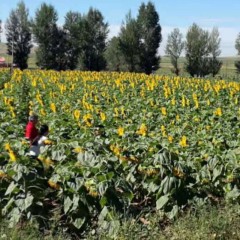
column 173, row 13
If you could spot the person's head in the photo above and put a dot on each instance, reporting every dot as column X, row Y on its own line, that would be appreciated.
column 33, row 118
column 43, row 131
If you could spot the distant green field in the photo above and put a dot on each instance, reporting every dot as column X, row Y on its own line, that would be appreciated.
column 31, row 60
column 228, row 68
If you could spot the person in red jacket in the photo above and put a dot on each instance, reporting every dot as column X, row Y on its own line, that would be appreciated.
column 31, row 131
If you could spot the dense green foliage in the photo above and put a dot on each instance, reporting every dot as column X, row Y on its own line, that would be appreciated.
column 202, row 50
column 73, row 27
column 136, row 47
column 150, row 37
column 81, row 41
column 174, row 48
column 48, row 37
column 114, row 56
column 121, row 144
column 95, row 32
column 19, row 35
column 130, row 45
column 214, row 64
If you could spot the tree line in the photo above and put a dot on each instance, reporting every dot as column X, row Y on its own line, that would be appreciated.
column 82, row 42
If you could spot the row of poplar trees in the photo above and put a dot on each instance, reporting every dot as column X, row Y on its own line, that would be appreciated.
column 82, row 41
column 202, row 49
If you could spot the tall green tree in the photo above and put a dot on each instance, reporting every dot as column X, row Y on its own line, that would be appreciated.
column 62, row 59
column 197, row 50
column 237, row 46
column 151, row 37
column 130, row 44
column 73, row 28
column 174, row 48
column 18, row 35
column 202, row 51
column 48, row 37
column 114, row 56
column 214, row 49
column 95, row 32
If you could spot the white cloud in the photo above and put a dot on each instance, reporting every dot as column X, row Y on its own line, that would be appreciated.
column 114, row 30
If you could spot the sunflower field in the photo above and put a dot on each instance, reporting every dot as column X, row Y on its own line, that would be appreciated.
column 119, row 143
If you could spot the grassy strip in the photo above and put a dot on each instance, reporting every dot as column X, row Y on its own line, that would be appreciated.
column 28, row 232
column 205, row 223
column 209, row 223
column 221, row 222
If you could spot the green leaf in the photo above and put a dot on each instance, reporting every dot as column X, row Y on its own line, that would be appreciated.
column 102, row 188
column 233, row 194
column 23, row 204
column 110, row 175
column 128, row 195
column 74, row 144
column 58, row 155
column 15, row 217
column 153, row 187
column 7, row 206
column 166, row 184
column 75, row 202
column 216, row 173
column 103, row 201
column 102, row 215
column 10, row 188
column 67, row 204
column 173, row 213
column 28, row 201
column 78, row 223
column 161, row 202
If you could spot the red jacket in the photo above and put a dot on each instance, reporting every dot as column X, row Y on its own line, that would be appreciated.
column 31, row 131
